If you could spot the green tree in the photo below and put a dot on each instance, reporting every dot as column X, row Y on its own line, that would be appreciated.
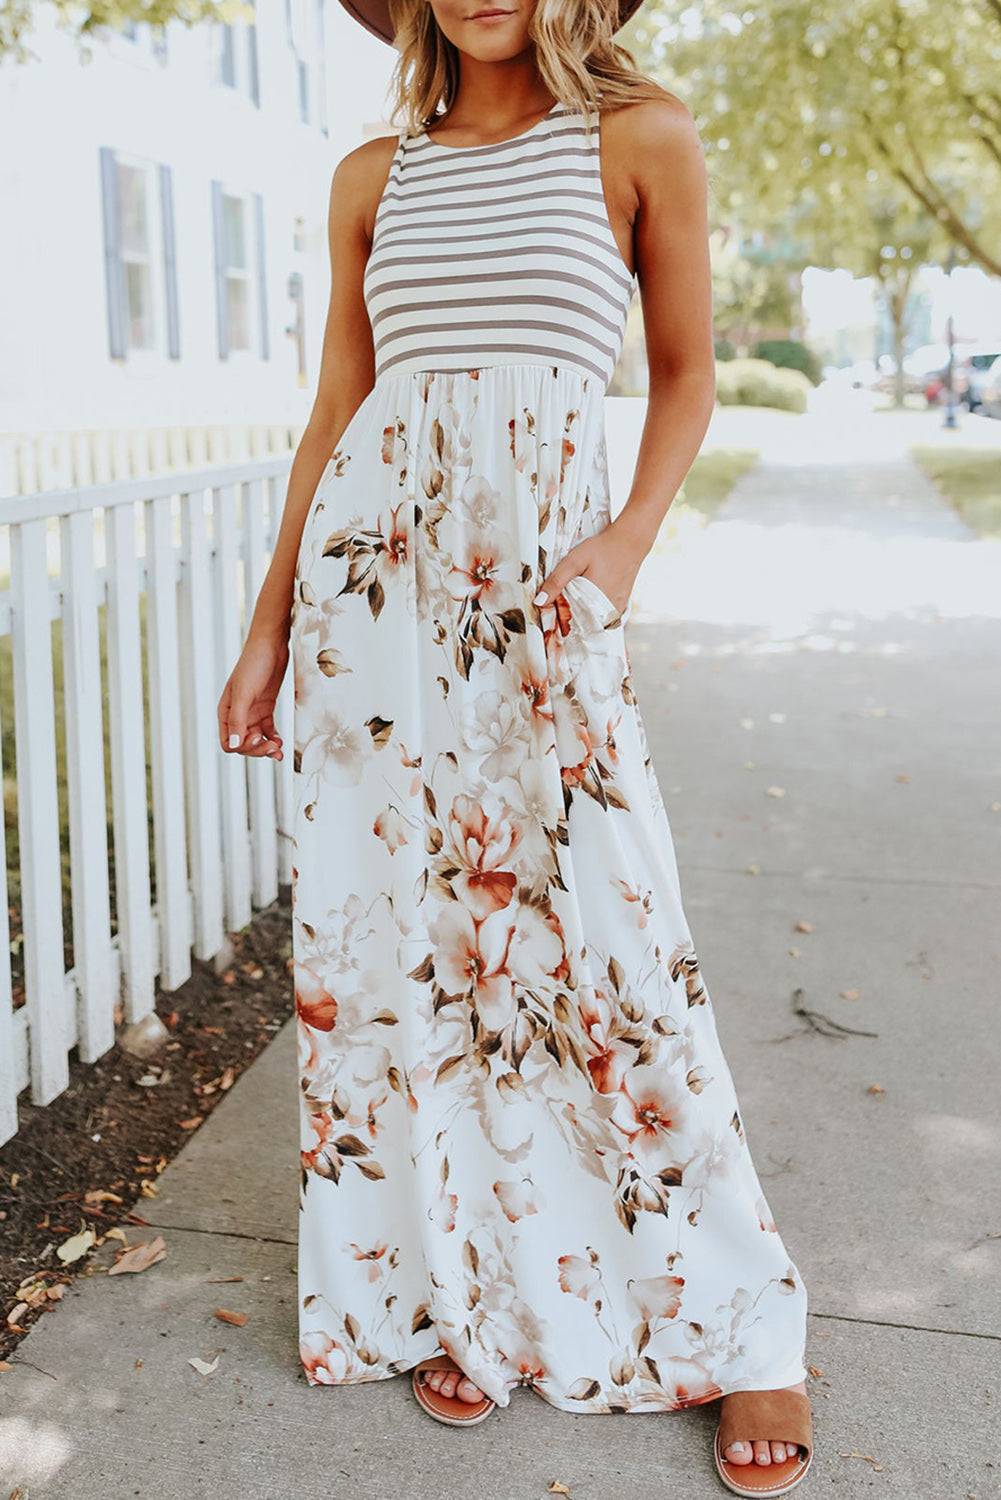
column 816, row 99
column 85, row 18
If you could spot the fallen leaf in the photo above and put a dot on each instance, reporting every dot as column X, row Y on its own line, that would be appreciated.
column 33, row 1291
column 77, row 1245
column 803, row 927
column 749, row 765
column 225, row 1316
column 140, row 1257
column 875, row 1088
column 202, row 1367
column 776, row 791
column 149, row 1189
column 753, row 869
column 151, row 1080
column 191, row 1124
column 817, row 1374
column 849, row 994
column 16, row 1313
column 794, row 953
column 5, row 1365
column 902, row 777
column 101, row 1195
column 213, row 1279
column 557, row 1489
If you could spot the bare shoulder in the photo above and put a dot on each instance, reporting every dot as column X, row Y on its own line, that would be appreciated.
column 648, row 133
column 359, row 179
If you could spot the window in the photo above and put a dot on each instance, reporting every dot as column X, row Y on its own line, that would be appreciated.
column 136, row 251
column 234, row 57
column 240, row 271
column 235, row 271
column 139, row 255
column 297, row 32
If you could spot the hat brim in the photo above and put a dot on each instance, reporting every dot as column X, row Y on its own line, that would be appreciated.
column 374, row 15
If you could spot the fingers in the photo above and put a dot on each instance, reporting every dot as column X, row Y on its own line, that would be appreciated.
column 558, row 579
column 244, row 731
column 236, row 722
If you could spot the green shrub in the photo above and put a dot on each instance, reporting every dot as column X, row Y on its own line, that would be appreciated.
column 757, row 382
column 726, row 349
column 788, row 354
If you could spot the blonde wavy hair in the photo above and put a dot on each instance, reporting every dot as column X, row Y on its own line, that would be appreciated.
column 576, row 56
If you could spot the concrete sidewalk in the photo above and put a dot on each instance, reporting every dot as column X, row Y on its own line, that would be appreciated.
column 834, row 637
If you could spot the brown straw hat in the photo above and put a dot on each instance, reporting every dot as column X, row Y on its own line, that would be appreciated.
column 374, row 15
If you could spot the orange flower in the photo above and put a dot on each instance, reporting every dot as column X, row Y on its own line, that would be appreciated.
column 315, row 1005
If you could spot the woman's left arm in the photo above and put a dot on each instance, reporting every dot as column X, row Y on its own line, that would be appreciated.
column 657, row 148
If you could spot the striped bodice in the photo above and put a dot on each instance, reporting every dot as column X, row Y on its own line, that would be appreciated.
column 500, row 254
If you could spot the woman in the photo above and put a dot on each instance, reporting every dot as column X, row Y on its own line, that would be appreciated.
column 523, row 1160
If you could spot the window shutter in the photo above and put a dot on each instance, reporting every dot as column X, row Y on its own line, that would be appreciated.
column 169, row 261
column 113, row 270
column 262, row 278
column 222, row 307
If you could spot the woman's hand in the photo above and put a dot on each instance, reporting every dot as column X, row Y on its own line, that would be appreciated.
column 247, row 706
column 611, row 559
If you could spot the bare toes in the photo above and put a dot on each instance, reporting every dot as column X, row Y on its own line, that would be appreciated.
column 738, row 1453
column 762, row 1453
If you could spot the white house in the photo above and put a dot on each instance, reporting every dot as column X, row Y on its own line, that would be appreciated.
column 163, row 205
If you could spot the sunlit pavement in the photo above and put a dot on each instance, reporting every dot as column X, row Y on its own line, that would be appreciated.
column 818, row 673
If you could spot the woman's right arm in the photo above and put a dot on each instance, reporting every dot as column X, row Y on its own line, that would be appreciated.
column 347, row 372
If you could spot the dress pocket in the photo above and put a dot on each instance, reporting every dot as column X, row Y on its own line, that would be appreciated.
column 591, row 605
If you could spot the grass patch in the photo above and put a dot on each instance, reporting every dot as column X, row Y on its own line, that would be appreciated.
column 969, row 479
column 712, row 477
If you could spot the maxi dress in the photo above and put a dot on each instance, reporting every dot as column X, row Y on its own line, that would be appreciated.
column 520, row 1140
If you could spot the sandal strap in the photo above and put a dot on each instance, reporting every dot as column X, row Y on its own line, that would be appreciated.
column 767, row 1417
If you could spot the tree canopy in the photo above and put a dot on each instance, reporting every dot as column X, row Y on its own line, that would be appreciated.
column 816, row 115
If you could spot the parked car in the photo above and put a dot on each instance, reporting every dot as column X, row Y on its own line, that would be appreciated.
column 990, row 391
column 978, row 364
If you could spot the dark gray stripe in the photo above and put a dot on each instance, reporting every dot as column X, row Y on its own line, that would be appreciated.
column 600, row 220
column 422, row 291
column 541, row 166
column 393, row 239
column 509, row 271
column 504, row 325
column 436, row 195
column 396, row 238
column 506, row 302
column 564, row 122
column 553, row 356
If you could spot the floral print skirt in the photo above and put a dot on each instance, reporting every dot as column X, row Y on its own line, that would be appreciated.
column 520, row 1139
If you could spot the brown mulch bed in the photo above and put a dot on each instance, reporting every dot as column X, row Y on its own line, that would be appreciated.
column 88, row 1159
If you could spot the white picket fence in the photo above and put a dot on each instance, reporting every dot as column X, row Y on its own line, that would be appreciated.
column 194, row 546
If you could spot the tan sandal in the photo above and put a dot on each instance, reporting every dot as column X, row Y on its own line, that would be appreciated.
column 449, row 1409
column 767, row 1417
